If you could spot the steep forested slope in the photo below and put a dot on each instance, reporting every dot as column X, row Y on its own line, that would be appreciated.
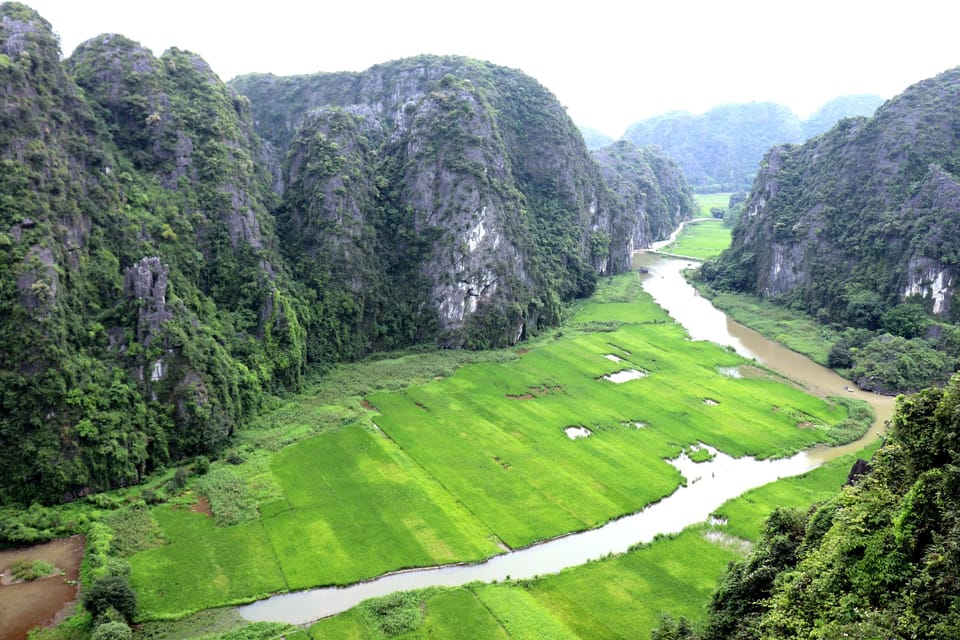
column 163, row 268
column 140, row 306
column 859, row 226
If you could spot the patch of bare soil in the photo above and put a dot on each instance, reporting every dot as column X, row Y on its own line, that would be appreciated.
column 202, row 505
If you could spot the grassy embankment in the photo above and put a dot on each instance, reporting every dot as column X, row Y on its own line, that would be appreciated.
column 469, row 460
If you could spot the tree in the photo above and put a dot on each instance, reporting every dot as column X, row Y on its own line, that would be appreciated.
column 111, row 591
column 909, row 320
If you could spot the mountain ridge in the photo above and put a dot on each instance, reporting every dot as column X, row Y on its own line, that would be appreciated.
column 166, row 269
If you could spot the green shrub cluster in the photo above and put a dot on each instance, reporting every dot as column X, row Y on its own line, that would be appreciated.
column 26, row 569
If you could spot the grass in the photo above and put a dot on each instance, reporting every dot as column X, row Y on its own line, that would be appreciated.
column 794, row 329
column 703, row 240
column 446, row 613
column 494, row 435
column 466, row 458
column 203, row 565
column 746, row 514
column 29, row 570
column 707, row 201
column 622, row 596
column 625, row 596
column 617, row 597
column 356, row 506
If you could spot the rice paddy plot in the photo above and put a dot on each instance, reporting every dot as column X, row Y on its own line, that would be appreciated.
column 495, row 435
column 703, row 240
column 482, row 457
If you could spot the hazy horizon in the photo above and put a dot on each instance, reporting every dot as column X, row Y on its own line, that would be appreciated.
column 609, row 64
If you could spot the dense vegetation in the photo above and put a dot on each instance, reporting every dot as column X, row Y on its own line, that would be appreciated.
column 879, row 560
column 721, row 149
column 164, row 271
column 858, row 228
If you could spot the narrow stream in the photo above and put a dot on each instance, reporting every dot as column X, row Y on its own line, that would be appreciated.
column 709, row 484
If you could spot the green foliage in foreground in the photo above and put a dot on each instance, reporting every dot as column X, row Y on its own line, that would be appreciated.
column 702, row 240
column 110, row 592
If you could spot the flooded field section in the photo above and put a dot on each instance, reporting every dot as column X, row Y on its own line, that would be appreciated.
column 44, row 601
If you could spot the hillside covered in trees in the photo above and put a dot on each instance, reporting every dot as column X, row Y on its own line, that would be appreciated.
column 721, row 149
column 175, row 249
column 859, row 228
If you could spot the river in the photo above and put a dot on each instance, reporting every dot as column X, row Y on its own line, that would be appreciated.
column 709, row 484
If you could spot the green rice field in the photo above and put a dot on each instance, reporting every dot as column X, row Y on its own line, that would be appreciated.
column 620, row 597
column 456, row 467
column 703, row 240
column 707, row 201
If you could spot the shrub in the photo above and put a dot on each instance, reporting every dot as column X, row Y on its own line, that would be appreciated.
column 112, row 631
column 202, row 465
column 111, row 591
column 24, row 569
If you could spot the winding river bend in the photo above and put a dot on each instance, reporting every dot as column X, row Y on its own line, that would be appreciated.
column 709, row 484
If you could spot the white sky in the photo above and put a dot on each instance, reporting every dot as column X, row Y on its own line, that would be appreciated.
column 609, row 62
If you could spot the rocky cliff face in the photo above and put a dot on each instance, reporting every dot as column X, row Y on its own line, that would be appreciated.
column 487, row 197
column 648, row 185
column 860, row 218
column 139, row 288
column 163, row 269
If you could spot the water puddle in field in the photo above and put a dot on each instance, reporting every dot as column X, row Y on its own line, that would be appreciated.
column 613, row 358
column 708, row 484
column 730, row 372
column 625, row 376
column 42, row 602
column 577, row 432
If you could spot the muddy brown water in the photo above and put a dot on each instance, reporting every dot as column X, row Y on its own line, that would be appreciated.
column 43, row 602
column 709, row 484
column 665, row 282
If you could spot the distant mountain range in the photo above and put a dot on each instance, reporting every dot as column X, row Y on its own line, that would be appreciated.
column 721, row 149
